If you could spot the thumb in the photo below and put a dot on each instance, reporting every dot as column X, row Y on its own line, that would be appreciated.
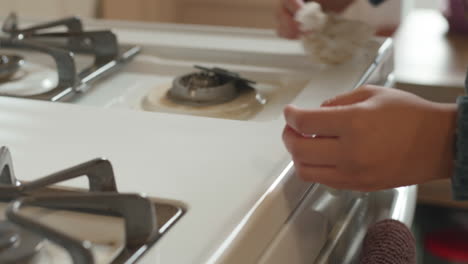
column 354, row 97
column 319, row 121
column 293, row 5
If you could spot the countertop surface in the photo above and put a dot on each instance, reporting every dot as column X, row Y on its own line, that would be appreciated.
column 217, row 168
column 427, row 55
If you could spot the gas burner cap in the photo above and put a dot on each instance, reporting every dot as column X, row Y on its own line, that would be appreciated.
column 9, row 65
column 210, row 86
column 16, row 244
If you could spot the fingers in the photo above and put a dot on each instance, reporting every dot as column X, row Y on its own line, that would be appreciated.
column 329, row 176
column 335, row 178
column 287, row 26
column 311, row 151
column 322, row 121
column 292, row 6
column 354, row 97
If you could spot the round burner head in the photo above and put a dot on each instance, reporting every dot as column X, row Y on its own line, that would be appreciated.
column 9, row 65
column 17, row 244
column 203, row 88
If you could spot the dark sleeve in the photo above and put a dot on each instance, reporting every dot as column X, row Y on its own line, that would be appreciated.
column 460, row 176
column 376, row 2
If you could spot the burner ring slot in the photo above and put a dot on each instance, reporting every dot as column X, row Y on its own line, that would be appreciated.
column 17, row 244
column 9, row 65
column 203, row 88
column 8, row 237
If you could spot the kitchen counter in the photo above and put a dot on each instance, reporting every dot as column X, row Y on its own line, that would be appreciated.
column 234, row 178
column 428, row 60
column 220, row 169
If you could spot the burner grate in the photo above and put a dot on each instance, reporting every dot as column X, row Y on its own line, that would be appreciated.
column 62, row 46
column 142, row 223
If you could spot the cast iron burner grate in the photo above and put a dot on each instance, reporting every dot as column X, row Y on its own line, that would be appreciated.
column 61, row 46
column 21, row 235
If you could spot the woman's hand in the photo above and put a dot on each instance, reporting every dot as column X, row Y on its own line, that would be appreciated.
column 372, row 138
column 288, row 27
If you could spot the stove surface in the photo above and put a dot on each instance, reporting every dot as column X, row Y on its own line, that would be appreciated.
column 221, row 168
column 146, row 82
column 60, row 40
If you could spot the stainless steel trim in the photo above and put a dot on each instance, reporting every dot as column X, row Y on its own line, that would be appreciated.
column 403, row 203
column 338, row 231
column 383, row 52
column 398, row 204
column 89, row 77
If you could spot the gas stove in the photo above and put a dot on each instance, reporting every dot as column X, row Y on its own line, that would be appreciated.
column 193, row 116
column 42, row 61
column 113, row 227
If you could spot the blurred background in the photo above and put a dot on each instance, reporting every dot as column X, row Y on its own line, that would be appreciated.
column 254, row 13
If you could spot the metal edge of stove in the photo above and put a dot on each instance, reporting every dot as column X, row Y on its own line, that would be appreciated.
column 379, row 72
column 237, row 248
column 177, row 208
column 180, row 211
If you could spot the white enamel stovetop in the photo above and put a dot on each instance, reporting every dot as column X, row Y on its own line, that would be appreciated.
column 220, row 169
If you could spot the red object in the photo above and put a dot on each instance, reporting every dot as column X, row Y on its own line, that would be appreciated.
column 448, row 244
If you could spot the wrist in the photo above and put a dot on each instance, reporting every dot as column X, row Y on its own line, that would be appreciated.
column 446, row 125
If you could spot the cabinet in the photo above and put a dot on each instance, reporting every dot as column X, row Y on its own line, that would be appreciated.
column 243, row 13
column 239, row 13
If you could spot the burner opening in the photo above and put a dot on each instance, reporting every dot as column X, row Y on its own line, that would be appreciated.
column 210, row 86
column 9, row 66
column 202, row 80
column 17, row 244
column 8, row 237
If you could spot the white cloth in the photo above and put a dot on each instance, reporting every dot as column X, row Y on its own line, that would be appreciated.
column 329, row 38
